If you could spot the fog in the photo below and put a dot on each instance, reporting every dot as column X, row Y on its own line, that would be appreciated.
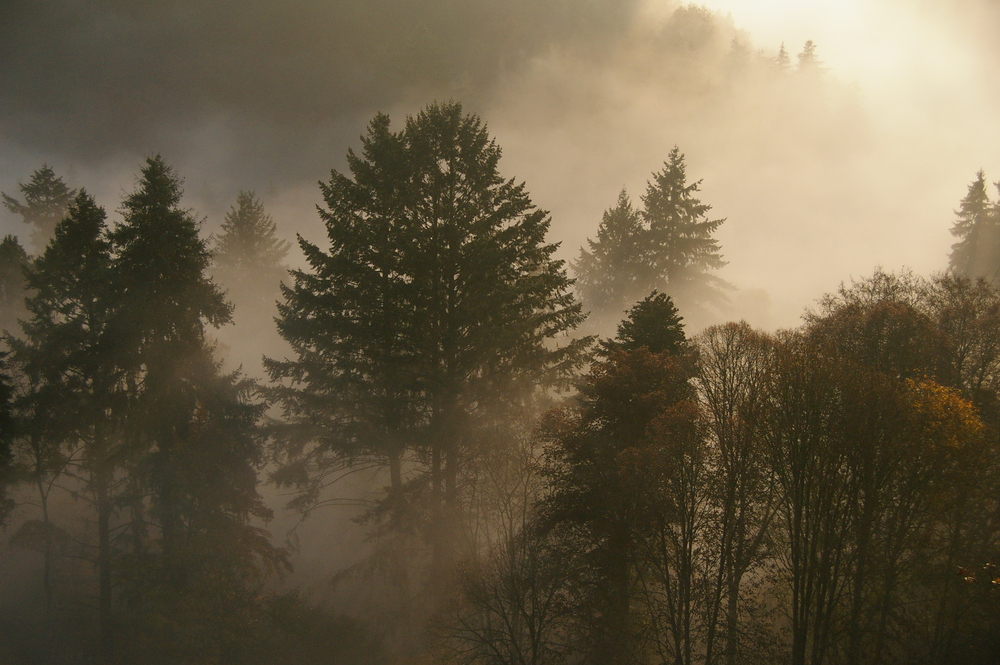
column 817, row 186
column 823, row 174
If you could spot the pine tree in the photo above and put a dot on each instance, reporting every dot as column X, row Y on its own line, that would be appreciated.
column 680, row 237
column 248, row 255
column 977, row 227
column 783, row 60
column 606, row 461
column 808, row 61
column 615, row 272
column 46, row 200
column 194, row 445
column 437, row 297
column 13, row 261
column 667, row 246
column 653, row 323
column 69, row 358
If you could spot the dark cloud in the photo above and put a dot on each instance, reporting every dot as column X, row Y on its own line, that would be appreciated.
column 95, row 78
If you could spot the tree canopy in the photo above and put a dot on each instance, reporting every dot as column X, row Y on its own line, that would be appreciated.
column 668, row 245
column 437, row 299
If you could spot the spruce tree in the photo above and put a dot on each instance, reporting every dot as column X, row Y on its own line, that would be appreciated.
column 13, row 262
column 46, row 200
column 782, row 60
column 681, row 238
column 248, row 255
column 977, row 227
column 616, row 270
column 75, row 403
column 653, row 323
column 194, row 444
column 609, row 460
column 808, row 60
column 65, row 361
column 438, row 296
column 667, row 246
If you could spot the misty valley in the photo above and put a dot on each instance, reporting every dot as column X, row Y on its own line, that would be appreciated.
column 437, row 408
column 537, row 489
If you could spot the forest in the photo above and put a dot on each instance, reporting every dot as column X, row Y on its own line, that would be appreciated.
column 535, row 491
column 438, row 409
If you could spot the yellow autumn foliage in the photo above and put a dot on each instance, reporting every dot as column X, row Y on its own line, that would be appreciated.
column 943, row 418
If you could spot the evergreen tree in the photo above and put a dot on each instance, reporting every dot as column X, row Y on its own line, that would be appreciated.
column 606, row 460
column 808, row 61
column 194, row 445
column 615, row 271
column 13, row 261
column 680, row 236
column 782, row 59
column 977, row 227
column 248, row 255
column 46, row 199
column 653, row 323
column 666, row 246
column 74, row 403
column 437, row 297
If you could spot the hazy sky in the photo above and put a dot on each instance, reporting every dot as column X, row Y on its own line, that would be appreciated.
column 820, row 181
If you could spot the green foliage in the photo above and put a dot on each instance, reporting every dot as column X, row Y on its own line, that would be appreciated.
column 437, row 297
column 46, row 200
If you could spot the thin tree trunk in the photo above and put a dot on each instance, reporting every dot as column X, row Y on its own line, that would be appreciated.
column 104, row 563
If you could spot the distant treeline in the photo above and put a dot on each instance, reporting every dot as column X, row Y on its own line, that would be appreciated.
column 535, row 494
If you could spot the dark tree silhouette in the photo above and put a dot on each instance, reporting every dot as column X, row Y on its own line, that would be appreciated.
column 194, row 446
column 13, row 261
column 68, row 359
column 609, row 459
column 977, row 227
column 666, row 246
column 437, row 297
column 46, row 200
column 683, row 248
column 615, row 272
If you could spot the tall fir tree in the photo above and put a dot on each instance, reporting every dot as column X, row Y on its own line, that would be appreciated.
column 681, row 237
column 194, row 443
column 667, row 246
column 604, row 456
column 782, row 60
column 615, row 271
column 248, row 256
column 75, row 403
column 977, row 227
column 438, row 297
column 13, row 262
column 808, row 60
column 46, row 200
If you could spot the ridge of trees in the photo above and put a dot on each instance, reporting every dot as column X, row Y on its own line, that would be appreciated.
column 822, row 495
